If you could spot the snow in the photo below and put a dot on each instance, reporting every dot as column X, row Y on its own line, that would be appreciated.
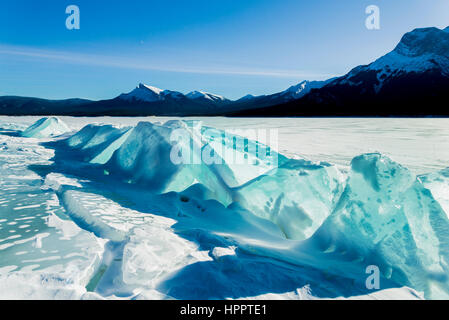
column 151, row 88
column 106, row 213
column 143, row 92
column 303, row 88
column 421, row 50
column 395, row 62
column 206, row 95
column 419, row 144
column 247, row 97
column 148, row 93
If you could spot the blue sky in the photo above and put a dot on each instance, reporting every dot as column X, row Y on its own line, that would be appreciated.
column 227, row 47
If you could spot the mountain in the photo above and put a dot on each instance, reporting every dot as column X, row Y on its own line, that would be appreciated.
column 250, row 102
column 148, row 100
column 206, row 97
column 300, row 90
column 145, row 93
column 247, row 97
column 413, row 79
column 13, row 105
column 144, row 100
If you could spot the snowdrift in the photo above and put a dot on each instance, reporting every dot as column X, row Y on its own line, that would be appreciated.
column 46, row 127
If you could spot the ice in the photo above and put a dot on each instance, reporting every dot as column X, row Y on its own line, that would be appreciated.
column 34, row 286
column 154, row 252
column 305, row 293
column 97, row 143
column 386, row 217
column 83, row 217
column 46, row 127
column 438, row 184
column 107, row 213
column 240, row 158
column 219, row 252
column 145, row 159
column 208, row 157
column 298, row 196
column 54, row 181
column 50, row 256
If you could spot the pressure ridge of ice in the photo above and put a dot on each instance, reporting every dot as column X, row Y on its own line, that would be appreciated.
column 46, row 127
column 270, row 227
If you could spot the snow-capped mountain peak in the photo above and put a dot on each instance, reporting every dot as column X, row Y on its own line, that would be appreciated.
column 148, row 93
column 172, row 94
column 151, row 88
column 424, row 41
column 144, row 93
column 204, row 95
column 247, row 97
column 418, row 51
column 301, row 89
column 298, row 88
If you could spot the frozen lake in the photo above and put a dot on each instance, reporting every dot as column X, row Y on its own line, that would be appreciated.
column 422, row 145
column 103, row 211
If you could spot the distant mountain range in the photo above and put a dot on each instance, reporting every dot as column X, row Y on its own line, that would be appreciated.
column 413, row 79
column 142, row 101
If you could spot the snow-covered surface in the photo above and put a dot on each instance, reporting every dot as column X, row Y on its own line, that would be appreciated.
column 104, row 213
column 422, row 145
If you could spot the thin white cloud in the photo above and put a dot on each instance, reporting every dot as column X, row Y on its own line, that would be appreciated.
column 140, row 64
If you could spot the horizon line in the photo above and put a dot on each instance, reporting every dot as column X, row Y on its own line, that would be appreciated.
column 117, row 62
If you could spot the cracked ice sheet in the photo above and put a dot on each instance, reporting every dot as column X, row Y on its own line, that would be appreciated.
column 136, row 264
column 151, row 254
column 44, row 254
column 144, row 250
column 305, row 293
